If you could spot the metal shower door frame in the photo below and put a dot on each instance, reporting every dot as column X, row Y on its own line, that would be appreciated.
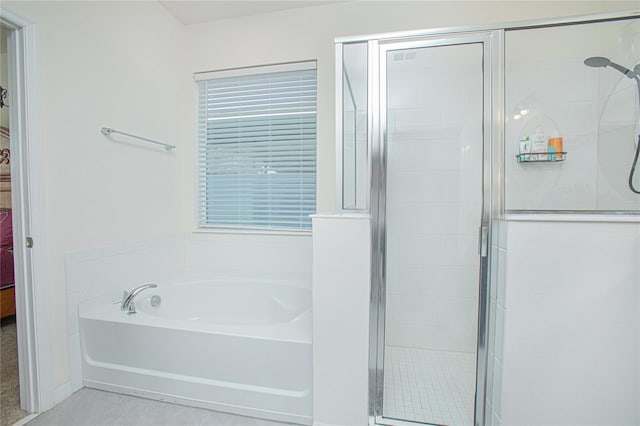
column 492, row 42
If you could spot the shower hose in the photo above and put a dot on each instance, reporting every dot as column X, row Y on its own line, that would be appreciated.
column 634, row 163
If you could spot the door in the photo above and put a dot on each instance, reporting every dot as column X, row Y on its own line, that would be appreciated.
column 433, row 218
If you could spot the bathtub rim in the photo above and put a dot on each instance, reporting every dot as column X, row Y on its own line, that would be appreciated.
column 105, row 308
column 298, row 291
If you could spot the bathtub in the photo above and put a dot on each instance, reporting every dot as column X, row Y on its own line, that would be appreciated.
column 235, row 346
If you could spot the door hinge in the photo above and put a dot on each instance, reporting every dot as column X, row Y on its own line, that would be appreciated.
column 29, row 242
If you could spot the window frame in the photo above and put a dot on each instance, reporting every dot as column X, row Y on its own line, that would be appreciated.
column 267, row 229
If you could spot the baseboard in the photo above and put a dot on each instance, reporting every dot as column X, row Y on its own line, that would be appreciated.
column 61, row 393
column 23, row 421
column 324, row 424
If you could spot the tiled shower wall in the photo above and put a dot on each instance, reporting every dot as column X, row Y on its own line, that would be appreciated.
column 550, row 90
column 433, row 205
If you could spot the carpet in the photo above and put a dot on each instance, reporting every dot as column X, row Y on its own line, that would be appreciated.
column 10, row 411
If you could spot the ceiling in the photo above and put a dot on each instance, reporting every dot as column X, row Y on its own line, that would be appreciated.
column 195, row 12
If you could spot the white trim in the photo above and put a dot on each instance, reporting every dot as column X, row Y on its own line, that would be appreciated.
column 509, row 25
column 237, row 231
column 341, row 215
column 260, row 69
column 325, row 424
column 553, row 217
column 25, row 420
column 32, row 301
column 339, row 133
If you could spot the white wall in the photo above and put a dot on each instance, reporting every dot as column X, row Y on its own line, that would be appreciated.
column 274, row 257
column 571, row 331
column 341, row 292
column 106, row 64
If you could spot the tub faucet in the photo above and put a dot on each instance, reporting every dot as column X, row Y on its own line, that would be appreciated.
column 127, row 299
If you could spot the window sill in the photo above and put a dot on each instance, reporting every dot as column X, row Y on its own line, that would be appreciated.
column 252, row 232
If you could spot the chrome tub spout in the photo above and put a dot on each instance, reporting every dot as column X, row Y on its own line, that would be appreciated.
column 127, row 299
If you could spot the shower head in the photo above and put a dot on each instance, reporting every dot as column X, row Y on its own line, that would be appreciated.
column 597, row 62
column 600, row 62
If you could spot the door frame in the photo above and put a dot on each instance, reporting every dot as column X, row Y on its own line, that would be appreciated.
column 35, row 354
column 492, row 41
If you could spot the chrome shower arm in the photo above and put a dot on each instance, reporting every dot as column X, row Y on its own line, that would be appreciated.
column 624, row 70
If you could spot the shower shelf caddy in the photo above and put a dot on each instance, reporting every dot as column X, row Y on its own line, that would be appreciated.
column 549, row 157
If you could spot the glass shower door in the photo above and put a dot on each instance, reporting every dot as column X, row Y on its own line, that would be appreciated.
column 432, row 100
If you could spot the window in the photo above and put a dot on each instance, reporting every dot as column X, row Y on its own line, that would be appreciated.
column 257, row 147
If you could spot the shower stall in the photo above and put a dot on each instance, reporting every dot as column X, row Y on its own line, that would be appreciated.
column 421, row 107
column 429, row 131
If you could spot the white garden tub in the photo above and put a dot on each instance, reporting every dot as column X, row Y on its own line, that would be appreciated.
column 235, row 346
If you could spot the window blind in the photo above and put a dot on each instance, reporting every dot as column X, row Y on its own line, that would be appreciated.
column 257, row 149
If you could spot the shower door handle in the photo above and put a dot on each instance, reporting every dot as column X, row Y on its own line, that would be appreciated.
column 483, row 241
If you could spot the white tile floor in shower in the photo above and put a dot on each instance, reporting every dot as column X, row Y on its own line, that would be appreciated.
column 429, row 386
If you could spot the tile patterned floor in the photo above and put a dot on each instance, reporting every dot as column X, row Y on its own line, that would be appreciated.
column 91, row 407
column 429, row 386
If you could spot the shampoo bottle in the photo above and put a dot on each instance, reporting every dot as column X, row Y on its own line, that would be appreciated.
column 524, row 148
column 555, row 145
column 538, row 145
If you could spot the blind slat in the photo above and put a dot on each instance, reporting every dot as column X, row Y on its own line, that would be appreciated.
column 257, row 150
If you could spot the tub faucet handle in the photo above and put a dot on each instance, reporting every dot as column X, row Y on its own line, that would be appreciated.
column 120, row 301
